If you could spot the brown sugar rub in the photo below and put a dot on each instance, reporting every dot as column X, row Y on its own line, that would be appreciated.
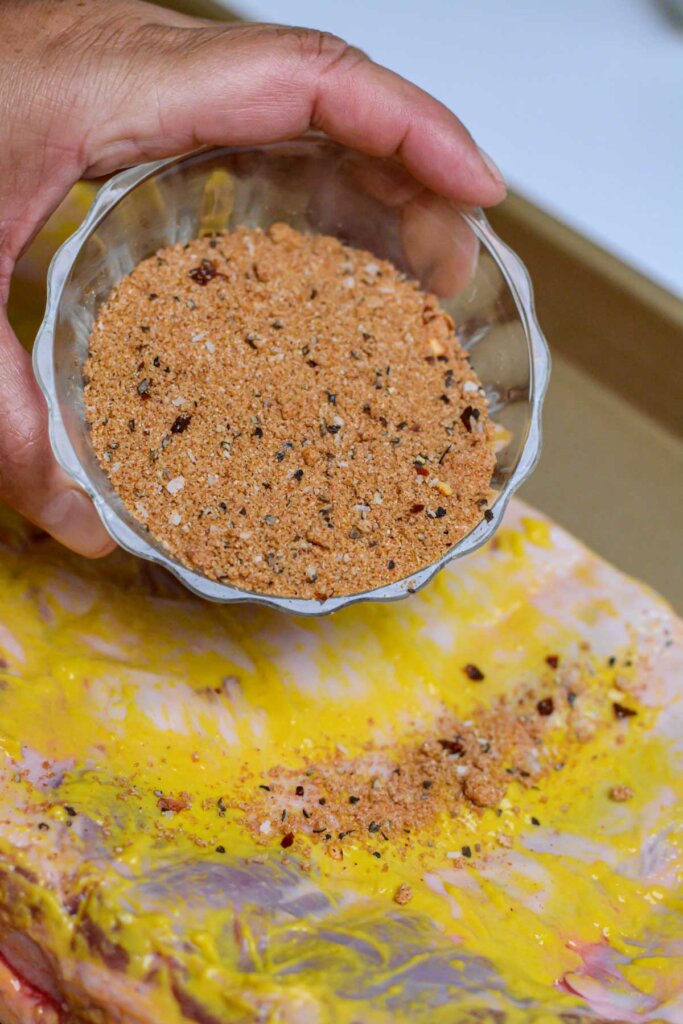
column 389, row 797
column 288, row 414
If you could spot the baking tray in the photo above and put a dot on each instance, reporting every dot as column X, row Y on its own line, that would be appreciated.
column 612, row 465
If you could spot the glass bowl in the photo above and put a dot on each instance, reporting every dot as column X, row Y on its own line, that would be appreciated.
column 318, row 186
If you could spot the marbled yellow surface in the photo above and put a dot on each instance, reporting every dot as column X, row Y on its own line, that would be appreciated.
column 113, row 679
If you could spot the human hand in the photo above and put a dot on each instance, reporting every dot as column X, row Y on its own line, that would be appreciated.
column 89, row 88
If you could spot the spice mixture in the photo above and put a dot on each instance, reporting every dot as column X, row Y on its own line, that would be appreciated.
column 288, row 414
column 387, row 794
column 391, row 796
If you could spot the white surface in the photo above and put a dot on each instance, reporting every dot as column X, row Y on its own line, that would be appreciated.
column 579, row 101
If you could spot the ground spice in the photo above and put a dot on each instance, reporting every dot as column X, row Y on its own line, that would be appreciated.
column 620, row 794
column 545, row 706
column 176, row 804
column 403, row 895
column 272, row 406
column 391, row 794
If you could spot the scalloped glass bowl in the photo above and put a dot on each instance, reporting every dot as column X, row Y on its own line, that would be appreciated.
column 314, row 185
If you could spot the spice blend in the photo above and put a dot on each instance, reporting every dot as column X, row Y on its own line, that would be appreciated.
column 288, row 414
column 392, row 797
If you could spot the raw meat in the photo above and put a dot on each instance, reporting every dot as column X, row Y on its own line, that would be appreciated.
column 144, row 880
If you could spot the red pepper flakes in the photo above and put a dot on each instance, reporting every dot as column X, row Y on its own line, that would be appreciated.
column 452, row 746
column 205, row 272
column 473, row 673
column 553, row 660
column 299, row 790
column 620, row 711
column 180, row 423
column 287, row 840
column 466, row 416
column 545, row 706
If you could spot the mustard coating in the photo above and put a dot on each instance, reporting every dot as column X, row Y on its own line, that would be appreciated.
column 110, row 675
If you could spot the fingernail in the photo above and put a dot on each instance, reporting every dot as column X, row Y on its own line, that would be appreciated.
column 493, row 168
column 72, row 520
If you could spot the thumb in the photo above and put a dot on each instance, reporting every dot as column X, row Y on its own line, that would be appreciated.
column 30, row 479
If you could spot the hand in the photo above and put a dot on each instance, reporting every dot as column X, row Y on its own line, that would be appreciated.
column 89, row 88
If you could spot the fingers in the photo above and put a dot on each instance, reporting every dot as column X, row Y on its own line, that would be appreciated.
column 440, row 246
column 377, row 205
column 185, row 87
column 376, row 111
column 30, row 480
column 436, row 244
column 127, row 82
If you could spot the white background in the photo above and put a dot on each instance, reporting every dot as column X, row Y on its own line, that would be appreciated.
column 579, row 101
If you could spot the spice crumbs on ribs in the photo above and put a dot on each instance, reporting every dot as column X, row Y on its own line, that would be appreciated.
column 391, row 796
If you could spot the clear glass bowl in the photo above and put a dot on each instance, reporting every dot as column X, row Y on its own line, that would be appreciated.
column 318, row 186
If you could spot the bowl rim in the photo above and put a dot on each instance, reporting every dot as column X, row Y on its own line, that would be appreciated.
column 109, row 195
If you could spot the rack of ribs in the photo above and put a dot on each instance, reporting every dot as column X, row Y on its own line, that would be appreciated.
column 465, row 806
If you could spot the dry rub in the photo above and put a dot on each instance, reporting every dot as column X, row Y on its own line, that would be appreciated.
column 288, row 414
